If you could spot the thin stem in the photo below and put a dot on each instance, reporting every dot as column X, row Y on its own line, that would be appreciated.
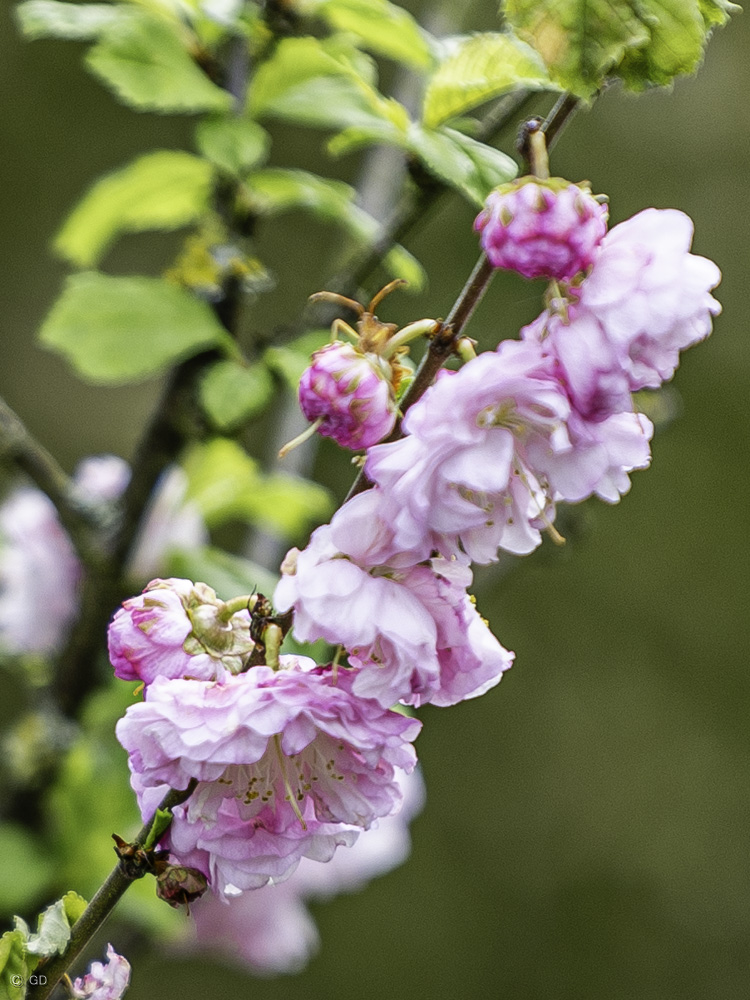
column 441, row 347
column 105, row 900
column 559, row 117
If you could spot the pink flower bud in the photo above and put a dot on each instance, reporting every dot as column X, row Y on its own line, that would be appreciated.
column 542, row 229
column 177, row 628
column 350, row 393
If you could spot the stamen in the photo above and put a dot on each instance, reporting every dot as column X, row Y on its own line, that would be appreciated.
column 291, row 798
column 301, row 438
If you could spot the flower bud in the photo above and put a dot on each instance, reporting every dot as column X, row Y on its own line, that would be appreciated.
column 350, row 393
column 180, row 886
column 177, row 628
column 542, row 228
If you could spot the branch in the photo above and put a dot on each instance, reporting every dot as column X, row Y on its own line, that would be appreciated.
column 109, row 894
column 78, row 519
column 442, row 345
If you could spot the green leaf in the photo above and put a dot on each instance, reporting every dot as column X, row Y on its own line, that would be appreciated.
column 290, row 360
column 646, row 42
column 226, row 484
column 677, row 39
column 287, row 505
column 319, row 84
column 402, row 264
column 75, row 906
column 277, row 189
column 229, row 575
column 29, row 861
column 381, row 27
column 115, row 330
column 14, row 967
column 77, row 21
column 53, row 934
column 161, row 190
column 231, row 393
column 477, row 69
column 234, row 144
column 146, row 64
column 471, row 167
column 717, row 11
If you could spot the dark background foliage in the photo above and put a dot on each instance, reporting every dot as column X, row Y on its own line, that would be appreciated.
column 586, row 833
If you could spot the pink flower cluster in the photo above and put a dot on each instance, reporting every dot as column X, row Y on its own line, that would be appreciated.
column 290, row 760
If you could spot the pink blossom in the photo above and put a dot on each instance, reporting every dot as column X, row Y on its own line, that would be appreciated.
column 177, row 628
column 602, row 454
column 542, row 229
column 410, row 628
column 270, row 929
column 39, row 575
column 651, row 295
column 39, row 569
column 289, row 764
column 104, row 982
column 646, row 299
column 351, row 392
column 463, row 472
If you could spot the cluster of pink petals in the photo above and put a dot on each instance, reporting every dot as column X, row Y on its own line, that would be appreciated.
column 542, row 229
column 407, row 623
column 351, row 392
column 468, row 468
column 646, row 299
column 292, row 763
column 174, row 629
column 271, row 930
column 289, row 764
column 104, row 982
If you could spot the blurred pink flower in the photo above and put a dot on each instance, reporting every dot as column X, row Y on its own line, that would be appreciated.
column 104, row 982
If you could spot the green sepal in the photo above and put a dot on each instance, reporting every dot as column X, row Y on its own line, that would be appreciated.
column 161, row 823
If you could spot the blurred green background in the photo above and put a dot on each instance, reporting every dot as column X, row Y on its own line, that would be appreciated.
column 588, row 822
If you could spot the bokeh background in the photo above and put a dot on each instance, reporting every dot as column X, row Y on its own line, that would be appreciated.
column 587, row 830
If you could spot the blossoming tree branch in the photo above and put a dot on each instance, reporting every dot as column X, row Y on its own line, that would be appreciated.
column 271, row 741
